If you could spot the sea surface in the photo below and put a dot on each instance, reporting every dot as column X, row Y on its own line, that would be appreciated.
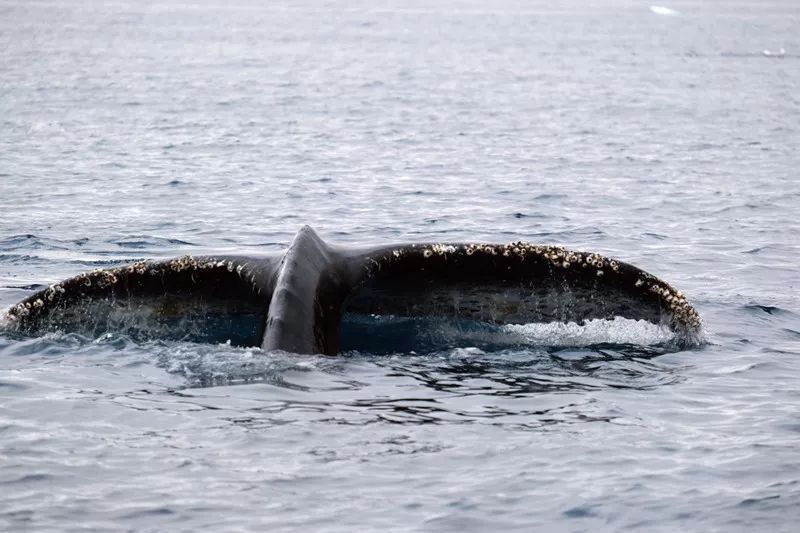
column 664, row 135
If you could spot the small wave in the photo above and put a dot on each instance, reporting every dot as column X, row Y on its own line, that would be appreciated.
column 29, row 241
column 757, row 309
column 144, row 241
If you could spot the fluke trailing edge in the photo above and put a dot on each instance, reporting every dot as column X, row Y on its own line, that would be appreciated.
column 295, row 301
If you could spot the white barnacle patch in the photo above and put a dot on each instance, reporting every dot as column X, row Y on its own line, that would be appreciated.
column 639, row 283
column 442, row 249
column 183, row 263
column 19, row 311
column 396, row 253
column 427, row 253
column 599, row 273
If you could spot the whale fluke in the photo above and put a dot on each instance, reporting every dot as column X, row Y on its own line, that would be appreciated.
column 296, row 301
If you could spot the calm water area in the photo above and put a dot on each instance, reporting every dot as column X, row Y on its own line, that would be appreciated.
column 664, row 135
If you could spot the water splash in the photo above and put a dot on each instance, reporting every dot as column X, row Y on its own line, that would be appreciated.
column 616, row 331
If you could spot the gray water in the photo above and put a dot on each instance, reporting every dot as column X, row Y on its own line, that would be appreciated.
column 665, row 137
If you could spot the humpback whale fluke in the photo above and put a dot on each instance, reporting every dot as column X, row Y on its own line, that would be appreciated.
column 295, row 301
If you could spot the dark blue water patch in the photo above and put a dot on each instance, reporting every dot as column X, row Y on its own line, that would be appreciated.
column 530, row 215
column 582, row 511
column 147, row 513
column 768, row 309
column 550, row 196
column 387, row 335
column 12, row 387
column 750, row 502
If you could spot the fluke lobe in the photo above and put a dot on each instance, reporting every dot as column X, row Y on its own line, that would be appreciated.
column 295, row 301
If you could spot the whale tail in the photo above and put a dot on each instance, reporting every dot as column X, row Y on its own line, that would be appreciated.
column 296, row 302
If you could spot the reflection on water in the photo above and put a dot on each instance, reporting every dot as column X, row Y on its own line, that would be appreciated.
column 450, row 386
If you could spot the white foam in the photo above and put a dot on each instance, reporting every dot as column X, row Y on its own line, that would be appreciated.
column 616, row 331
column 775, row 53
column 661, row 10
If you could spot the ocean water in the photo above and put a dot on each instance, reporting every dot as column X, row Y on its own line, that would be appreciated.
column 665, row 135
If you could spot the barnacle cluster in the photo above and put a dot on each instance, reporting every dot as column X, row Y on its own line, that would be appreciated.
column 560, row 257
column 105, row 278
column 682, row 311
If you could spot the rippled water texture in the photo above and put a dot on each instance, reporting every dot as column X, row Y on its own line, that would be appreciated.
column 665, row 135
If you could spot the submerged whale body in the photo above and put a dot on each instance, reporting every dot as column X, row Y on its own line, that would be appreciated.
column 296, row 301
